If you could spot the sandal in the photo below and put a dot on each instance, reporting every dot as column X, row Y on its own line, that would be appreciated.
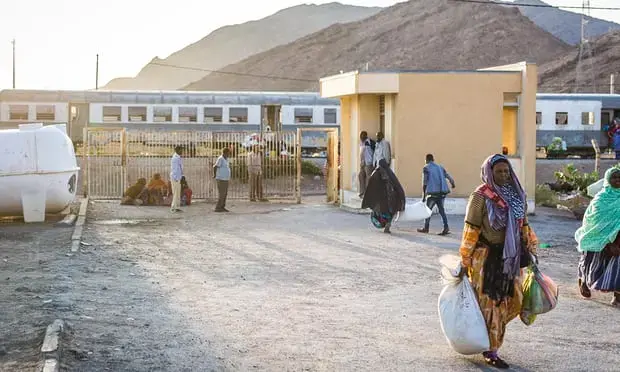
column 492, row 359
column 584, row 290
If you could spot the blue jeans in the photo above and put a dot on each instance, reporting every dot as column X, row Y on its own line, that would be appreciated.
column 617, row 154
column 436, row 200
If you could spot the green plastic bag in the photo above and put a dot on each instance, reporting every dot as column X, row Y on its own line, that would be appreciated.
column 540, row 294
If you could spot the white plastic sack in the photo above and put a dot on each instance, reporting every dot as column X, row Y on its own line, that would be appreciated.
column 594, row 188
column 415, row 212
column 460, row 316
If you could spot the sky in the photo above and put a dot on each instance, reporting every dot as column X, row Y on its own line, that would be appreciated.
column 57, row 40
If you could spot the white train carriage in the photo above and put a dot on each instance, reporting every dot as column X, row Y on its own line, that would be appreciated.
column 168, row 110
column 576, row 118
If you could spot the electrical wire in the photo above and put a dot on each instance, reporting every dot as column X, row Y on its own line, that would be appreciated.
column 502, row 3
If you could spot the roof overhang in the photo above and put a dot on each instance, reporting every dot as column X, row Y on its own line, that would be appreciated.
column 354, row 82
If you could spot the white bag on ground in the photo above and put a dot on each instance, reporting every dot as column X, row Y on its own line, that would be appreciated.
column 415, row 212
column 459, row 313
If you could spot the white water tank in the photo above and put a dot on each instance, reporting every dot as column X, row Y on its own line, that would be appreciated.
column 38, row 171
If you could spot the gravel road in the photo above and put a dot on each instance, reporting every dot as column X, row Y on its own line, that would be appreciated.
column 274, row 287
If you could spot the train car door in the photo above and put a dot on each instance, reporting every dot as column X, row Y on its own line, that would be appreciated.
column 271, row 116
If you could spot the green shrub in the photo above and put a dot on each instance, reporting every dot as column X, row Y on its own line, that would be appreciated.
column 577, row 180
column 555, row 148
column 308, row 167
column 545, row 196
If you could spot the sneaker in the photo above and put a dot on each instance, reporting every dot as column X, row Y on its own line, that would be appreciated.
column 444, row 232
column 492, row 359
column 423, row 230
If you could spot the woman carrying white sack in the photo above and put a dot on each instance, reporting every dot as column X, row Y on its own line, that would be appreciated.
column 496, row 245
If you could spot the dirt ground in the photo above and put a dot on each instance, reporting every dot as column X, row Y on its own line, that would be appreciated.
column 270, row 287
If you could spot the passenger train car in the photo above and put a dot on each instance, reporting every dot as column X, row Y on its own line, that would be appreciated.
column 577, row 119
column 169, row 110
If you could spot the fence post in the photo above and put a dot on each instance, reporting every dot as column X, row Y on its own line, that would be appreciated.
column 597, row 156
column 298, row 161
column 85, row 161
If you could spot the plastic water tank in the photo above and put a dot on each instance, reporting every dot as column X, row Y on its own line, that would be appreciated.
column 38, row 171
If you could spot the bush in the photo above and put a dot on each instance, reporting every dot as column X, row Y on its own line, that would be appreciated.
column 545, row 196
column 577, row 180
column 308, row 167
column 555, row 149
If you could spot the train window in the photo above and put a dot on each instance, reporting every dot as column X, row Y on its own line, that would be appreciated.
column 538, row 118
column 188, row 114
column 213, row 114
column 303, row 115
column 561, row 118
column 18, row 112
column 46, row 112
column 587, row 118
column 238, row 114
column 137, row 113
column 111, row 113
column 162, row 114
column 330, row 116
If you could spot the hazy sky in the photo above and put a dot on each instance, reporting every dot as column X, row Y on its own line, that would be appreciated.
column 57, row 40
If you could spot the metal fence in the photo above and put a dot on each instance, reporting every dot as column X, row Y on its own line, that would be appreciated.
column 117, row 158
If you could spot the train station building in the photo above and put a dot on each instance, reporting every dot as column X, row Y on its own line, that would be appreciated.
column 461, row 117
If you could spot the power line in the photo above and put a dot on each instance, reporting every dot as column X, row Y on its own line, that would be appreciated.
column 494, row 2
column 234, row 73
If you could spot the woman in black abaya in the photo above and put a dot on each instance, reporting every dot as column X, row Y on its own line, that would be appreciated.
column 384, row 195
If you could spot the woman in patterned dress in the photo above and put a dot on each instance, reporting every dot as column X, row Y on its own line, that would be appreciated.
column 497, row 242
column 599, row 241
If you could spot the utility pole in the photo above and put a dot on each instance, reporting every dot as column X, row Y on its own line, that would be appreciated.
column 585, row 71
column 611, row 83
column 13, row 42
column 97, row 73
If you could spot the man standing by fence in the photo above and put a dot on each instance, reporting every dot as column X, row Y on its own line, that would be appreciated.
column 221, row 173
column 435, row 190
column 255, row 173
column 176, row 173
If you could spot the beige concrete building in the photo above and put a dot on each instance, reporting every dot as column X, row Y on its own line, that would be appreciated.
column 459, row 116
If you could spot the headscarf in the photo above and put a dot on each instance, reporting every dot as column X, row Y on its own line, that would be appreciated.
column 510, row 217
column 601, row 222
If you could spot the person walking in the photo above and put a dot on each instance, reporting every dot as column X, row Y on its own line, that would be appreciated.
column 221, row 173
column 385, row 196
column 497, row 242
column 255, row 174
column 176, row 173
column 435, row 189
column 598, row 240
column 367, row 152
column 383, row 150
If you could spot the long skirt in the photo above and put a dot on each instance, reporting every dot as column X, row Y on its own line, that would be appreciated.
column 497, row 314
column 599, row 271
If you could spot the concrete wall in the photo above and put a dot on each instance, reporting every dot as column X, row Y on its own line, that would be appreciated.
column 456, row 117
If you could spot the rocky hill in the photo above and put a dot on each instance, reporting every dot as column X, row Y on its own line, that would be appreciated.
column 233, row 43
column 419, row 34
column 563, row 24
column 558, row 76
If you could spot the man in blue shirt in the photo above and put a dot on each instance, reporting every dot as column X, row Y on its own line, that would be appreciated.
column 367, row 153
column 435, row 190
column 176, row 173
column 221, row 173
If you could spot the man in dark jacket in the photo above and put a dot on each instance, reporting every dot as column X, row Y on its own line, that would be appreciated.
column 435, row 190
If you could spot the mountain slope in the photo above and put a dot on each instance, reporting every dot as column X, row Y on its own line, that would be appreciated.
column 563, row 24
column 231, row 44
column 559, row 75
column 419, row 34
